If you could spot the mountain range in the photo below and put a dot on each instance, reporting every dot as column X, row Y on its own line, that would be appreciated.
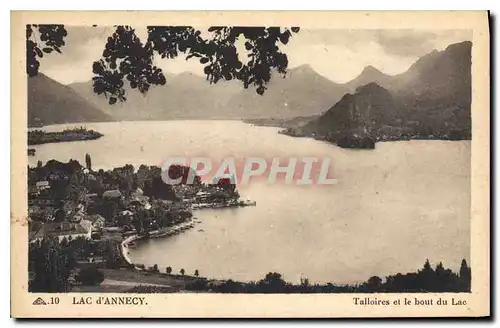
column 302, row 92
column 431, row 99
column 437, row 83
column 185, row 96
column 52, row 103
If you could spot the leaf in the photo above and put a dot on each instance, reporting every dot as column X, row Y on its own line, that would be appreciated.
column 284, row 37
column 204, row 60
column 112, row 100
column 47, row 50
column 97, row 68
column 295, row 29
column 38, row 52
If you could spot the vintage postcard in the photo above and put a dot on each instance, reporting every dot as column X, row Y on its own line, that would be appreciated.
column 250, row 165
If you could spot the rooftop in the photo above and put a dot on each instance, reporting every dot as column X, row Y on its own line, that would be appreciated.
column 112, row 194
column 56, row 229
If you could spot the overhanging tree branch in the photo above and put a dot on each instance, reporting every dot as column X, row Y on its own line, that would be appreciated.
column 126, row 58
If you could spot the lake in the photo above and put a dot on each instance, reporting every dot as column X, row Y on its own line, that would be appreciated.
column 390, row 210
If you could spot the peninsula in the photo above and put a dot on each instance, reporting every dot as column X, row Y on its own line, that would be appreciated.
column 38, row 137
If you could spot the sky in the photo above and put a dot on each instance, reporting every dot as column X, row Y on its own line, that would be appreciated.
column 339, row 55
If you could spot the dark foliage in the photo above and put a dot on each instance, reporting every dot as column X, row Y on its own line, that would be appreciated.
column 70, row 186
column 51, row 263
column 226, row 184
column 184, row 173
column 425, row 280
column 50, row 38
column 90, row 276
column 127, row 59
column 157, row 188
column 154, row 268
column 88, row 162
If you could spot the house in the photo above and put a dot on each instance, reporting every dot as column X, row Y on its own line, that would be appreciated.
column 203, row 196
column 112, row 229
column 42, row 201
column 64, row 230
column 33, row 192
column 126, row 212
column 112, row 194
column 92, row 198
column 33, row 210
column 76, row 217
column 138, row 192
column 41, row 213
column 97, row 221
column 57, row 176
column 42, row 185
column 140, row 201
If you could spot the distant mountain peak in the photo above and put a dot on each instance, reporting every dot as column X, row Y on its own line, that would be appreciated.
column 370, row 70
column 304, row 68
column 463, row 44
column 369, row 74
column 370, row 87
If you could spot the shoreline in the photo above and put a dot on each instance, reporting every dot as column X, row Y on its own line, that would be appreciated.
column 168, row 232
column 375, row 140
column 176, row 229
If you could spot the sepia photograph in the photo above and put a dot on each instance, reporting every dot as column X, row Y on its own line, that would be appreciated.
column 224, row 159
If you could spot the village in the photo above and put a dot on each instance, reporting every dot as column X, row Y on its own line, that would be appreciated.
column 98, row 215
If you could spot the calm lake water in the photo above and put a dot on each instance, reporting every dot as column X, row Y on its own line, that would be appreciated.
column 391, row 209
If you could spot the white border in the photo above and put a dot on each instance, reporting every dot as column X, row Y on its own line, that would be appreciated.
column 185, row 5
